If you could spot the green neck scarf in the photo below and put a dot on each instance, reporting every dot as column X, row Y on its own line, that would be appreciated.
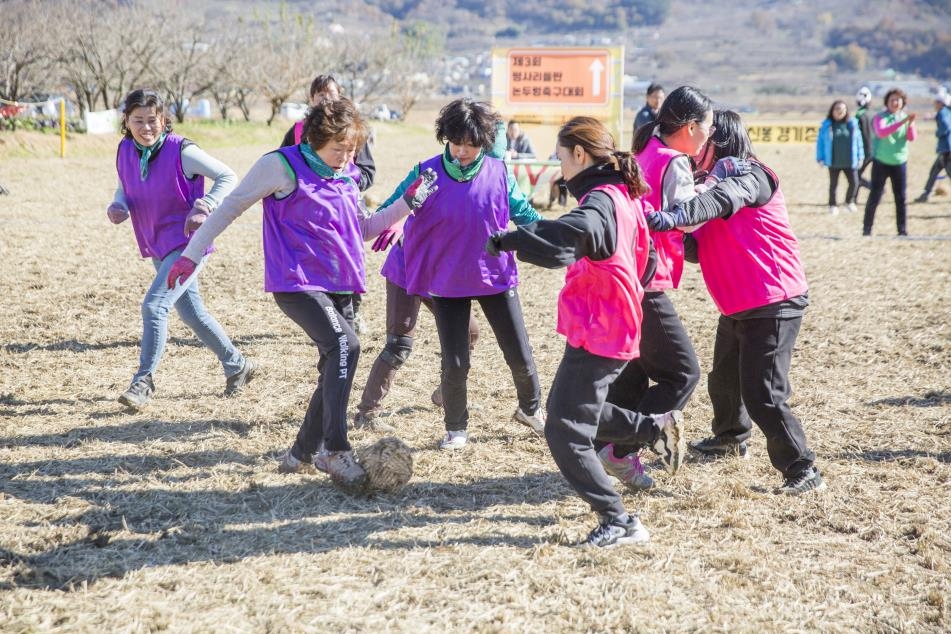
column 458, row 172
column 317, row 164
column 146, row 154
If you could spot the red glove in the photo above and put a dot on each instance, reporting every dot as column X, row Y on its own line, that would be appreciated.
column 117, row 214
column 389, row 236
column 181, row 271
column 199, row 214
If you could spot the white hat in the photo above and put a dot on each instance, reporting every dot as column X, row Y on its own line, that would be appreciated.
column 942, row 95
column 863, row 96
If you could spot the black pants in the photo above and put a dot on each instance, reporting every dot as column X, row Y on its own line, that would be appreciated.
column 851, row 177
column 577, row 413
column 750, row 380
column 327, row 318
column 504, row 313
column 899, row 176
column 941, row 162
column 667, row 358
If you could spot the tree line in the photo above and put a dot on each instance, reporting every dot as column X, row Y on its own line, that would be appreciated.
column 96, row 51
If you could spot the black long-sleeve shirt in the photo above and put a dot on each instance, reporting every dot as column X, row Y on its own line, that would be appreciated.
column 722, row 201
column 587, row 231
column 364, row 161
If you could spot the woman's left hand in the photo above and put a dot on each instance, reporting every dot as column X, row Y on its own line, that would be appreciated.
column 199, row 214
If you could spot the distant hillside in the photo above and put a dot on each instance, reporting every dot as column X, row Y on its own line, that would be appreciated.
column 746, row 53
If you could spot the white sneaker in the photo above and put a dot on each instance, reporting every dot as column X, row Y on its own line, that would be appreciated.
column 454, row 439
column 292, row 464
column 833, row 210
column 342, row 467
column 852, row 208
column 536, row 421
column 670, row 443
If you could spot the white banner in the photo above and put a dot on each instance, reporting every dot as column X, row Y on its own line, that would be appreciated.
column 103, row 122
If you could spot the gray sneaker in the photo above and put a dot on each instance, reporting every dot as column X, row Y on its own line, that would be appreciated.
column 716, row 447
column 236, row 382
column 371, row 421
column 292, row 464
column 535, row 421
column 342, row 468
column 808, row 480
column 628, row 469
column 139, row 393
column 670, row 443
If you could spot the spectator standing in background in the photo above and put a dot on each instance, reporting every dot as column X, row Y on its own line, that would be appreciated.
column 655, row 97
column 839, row 147
column 862, row 98
column 942, row 117
column 893, row 128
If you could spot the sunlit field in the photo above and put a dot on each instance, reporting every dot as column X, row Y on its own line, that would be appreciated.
column 176, row 519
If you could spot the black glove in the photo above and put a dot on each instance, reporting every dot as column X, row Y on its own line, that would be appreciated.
column 667, row 220
column 421, row 189
column 729, row 166
column 494, row 244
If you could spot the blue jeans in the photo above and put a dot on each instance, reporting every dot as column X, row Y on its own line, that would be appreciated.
column 156, row 305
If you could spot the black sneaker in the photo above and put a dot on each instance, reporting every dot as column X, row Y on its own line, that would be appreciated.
column 808, row 480
column 617, row 533
column 236, row 382
column 715, row 447
column 139, row 393
column 922, row 199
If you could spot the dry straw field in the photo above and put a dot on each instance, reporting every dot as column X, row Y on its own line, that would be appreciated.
column 176, row 519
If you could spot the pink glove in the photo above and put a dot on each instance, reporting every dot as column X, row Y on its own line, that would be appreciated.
column 117, row 213
column 199, row 214
column 181, row 271
column 389, row 236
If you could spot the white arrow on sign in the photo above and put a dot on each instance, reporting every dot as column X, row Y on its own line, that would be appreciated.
column 596, row 68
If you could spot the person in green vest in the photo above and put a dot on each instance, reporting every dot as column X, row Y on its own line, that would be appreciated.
column 893, row 128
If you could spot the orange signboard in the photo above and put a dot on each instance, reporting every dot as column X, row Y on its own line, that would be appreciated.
column 558, row 76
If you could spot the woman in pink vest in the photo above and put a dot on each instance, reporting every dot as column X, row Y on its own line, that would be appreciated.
column 314, row 228
column 665, row 375
column 605, row 244
column 750, row 262
column 162, row 188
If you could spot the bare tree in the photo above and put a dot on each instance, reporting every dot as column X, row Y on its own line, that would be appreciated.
column 25, row 51
column 183, row 69
column 419, row 43
column 285, row 49
column 231, row 59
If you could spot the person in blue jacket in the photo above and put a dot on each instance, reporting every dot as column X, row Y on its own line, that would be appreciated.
column 942, row 117
column 839, row 147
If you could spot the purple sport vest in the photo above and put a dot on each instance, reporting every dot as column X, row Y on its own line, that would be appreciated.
column 160, row 204
column 312, row 238
column 444, row 241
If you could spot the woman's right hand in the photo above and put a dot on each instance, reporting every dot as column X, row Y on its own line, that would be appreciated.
column 117, row 213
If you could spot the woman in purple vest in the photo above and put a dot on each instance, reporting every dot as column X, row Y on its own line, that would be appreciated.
column 445, row 260
column 314, row 229
column 162, row 189
column 751, row 266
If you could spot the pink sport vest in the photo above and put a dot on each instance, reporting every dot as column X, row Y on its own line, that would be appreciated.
column 751, row 259
column 298, row 131
column 599, row 308
column 669, row 245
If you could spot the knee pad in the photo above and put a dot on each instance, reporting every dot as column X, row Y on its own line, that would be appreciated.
column 396, row 351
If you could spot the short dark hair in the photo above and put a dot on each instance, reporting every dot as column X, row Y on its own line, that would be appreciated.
column 896, row 91
column 652, row 88
column 335, row 120
column 320, row 84
column 468, row 121
column 143, row 98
